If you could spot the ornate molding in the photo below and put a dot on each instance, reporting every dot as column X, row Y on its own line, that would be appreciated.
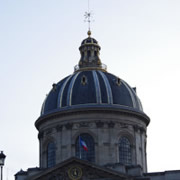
column 49, row 131
column 140, row 129
column 99, row 124
column 40, row 135
column 59, row 128
column 111, row 124
column 75, row 173
column 69, row 126
column 136, row 128
column 84, row 124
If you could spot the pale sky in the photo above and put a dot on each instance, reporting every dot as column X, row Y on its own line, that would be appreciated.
column 39, row 41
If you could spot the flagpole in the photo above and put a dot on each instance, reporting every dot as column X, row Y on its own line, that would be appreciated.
column 79, row 147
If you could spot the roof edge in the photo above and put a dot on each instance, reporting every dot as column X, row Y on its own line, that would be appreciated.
column 97, row 108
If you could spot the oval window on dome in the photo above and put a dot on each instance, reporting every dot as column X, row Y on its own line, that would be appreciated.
column 83, row 80
column 118, row 81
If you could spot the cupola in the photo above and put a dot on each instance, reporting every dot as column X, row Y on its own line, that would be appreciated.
column 90, row 51
column 91, row 85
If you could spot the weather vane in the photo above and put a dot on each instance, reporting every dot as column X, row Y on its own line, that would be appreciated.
column 88, row 17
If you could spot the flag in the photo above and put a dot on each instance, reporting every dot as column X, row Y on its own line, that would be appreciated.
column 83, row 144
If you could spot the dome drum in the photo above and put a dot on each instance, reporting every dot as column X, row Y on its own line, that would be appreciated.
column 64, row 131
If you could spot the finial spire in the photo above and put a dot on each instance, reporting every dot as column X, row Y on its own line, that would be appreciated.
column 89, row 33
column 90, row 50
column 88, row 19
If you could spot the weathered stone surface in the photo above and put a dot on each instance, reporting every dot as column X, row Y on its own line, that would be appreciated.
column 105, row 128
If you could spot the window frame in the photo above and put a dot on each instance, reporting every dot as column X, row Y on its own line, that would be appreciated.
column 126, row 156
column 82, row 154
column 51, row 154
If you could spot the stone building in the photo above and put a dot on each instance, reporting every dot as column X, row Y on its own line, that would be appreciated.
column 92, row 126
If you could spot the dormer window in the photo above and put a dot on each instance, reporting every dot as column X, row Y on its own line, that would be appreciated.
column 118, row 81
column 84, row 80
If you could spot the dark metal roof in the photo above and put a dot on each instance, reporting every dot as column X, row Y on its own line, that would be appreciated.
column 93, row 87
column 89, row 40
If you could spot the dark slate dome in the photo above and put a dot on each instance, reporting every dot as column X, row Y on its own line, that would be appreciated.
column 91, row 86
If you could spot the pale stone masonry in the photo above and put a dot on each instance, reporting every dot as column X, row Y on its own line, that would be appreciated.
column 92, row 127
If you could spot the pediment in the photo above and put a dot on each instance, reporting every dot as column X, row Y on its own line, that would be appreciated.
column 77, row 169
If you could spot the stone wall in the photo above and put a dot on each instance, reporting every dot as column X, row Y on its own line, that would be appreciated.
column 105, row 127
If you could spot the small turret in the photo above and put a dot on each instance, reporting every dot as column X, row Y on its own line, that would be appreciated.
column 90, row 51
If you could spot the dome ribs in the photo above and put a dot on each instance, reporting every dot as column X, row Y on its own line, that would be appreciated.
column 60, row 95
column 97, row 87
column 108, row 87
column 70, row 89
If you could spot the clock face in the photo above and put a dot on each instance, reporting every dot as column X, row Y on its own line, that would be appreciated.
column 75, row 173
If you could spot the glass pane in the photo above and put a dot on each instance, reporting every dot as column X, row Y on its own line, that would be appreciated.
column 124, row 151
column 51, row 155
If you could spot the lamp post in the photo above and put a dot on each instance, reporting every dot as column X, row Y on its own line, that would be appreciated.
column 2, row 159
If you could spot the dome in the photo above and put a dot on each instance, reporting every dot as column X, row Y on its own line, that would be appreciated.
column 89, row 40
column 91, row 86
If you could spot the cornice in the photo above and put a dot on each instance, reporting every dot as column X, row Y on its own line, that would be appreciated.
column 87, row 110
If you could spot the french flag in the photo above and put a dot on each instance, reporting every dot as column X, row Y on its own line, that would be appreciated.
column 83, row 144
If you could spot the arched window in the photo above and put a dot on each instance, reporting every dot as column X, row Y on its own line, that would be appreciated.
column 85, row 147
column 89, row 54
column 51, row 155
column 125, row 156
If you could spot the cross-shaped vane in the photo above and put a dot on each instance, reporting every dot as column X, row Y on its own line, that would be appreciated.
column 88, row 17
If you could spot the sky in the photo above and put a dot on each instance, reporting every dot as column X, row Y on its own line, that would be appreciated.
column 39, row 41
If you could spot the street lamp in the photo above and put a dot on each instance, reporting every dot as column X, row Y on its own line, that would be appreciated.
column 2, row 159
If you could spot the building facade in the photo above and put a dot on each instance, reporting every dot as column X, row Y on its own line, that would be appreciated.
column 92, row 126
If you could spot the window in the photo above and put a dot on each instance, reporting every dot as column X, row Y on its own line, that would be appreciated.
column 83, row 80
column 95, row 53
column 85, row 147
column 89, row 53
column 125, row 156
column 51, row 155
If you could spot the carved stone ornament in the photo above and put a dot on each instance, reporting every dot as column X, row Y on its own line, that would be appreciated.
column 75, row 173
column 111, row 124
column 69, row 126
column 136, row 128
column 99, row 124
column 84, row 124
column 142, row 130
column 54, row 87
column 40, row 135
column 49, row 131
column 58, row 128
